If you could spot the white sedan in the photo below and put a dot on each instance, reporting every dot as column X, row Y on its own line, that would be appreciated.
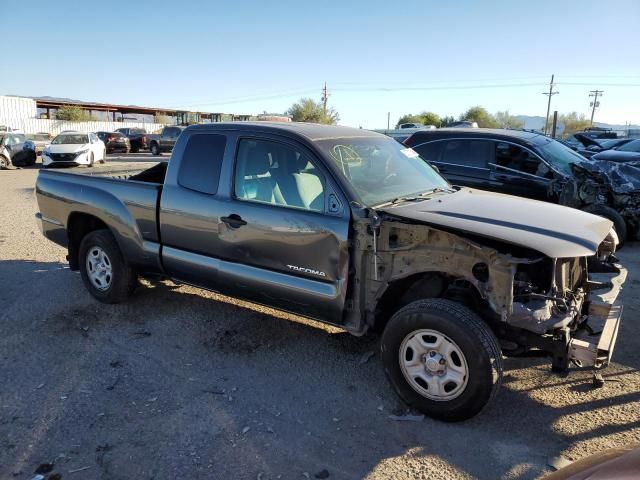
column 74, row 148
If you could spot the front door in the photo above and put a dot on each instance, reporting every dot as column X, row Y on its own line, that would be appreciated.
column 518, row 171
column 285, row 230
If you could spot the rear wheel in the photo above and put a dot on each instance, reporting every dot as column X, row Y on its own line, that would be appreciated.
column 4, row 162
column 609, row 213
column 104, row 156
column 442, row 359
column 155, row 149
column 135, row 149
column 90, row 160
column 104, row 271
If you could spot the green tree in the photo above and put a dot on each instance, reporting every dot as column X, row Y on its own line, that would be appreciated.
column 409, row 118
column 572, row 122
column 430, row 118
column 161, row 118
column 308, row 110
column 480, row 115
column 73, row 113
column 505, row 120
column 446, row 120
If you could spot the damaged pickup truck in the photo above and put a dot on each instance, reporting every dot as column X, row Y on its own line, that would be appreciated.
column 532, row 165
column 350, row 228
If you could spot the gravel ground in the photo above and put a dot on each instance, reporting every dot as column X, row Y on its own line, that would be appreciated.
column 184, row 383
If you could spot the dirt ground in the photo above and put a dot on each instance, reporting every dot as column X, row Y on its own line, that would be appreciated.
column 184, row 383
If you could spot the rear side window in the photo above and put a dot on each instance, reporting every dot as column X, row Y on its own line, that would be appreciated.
column 201, row 162
column 467, row 153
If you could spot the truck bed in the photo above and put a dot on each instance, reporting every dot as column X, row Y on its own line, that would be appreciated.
column 129, row 206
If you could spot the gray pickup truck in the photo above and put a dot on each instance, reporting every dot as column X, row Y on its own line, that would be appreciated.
column 351, row 228
column 165, row 140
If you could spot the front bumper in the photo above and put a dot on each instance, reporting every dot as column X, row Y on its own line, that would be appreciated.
column 82, row 159
column 604, row 315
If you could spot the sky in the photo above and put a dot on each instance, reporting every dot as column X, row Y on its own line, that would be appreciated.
column 248, row 57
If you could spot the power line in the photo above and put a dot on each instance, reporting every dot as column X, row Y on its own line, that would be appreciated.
column 549, row 94
column 595, row 103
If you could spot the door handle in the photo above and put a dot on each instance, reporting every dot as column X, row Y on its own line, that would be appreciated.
column 233, row 221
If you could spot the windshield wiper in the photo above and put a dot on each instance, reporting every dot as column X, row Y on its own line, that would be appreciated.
column 437, row 190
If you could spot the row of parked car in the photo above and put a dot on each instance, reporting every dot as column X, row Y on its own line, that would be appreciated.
column 80, row 148
column 531, row 165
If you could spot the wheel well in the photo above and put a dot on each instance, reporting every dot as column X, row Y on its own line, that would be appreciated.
column 422, row 286
column 79, row 225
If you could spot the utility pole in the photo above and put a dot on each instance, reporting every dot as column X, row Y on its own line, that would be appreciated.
column 325, row 99
column 595, row 103
column 549, row 94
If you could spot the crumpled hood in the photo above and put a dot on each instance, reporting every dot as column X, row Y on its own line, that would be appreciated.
column 553, row 230
column 617, row 156
column 622, row 178
column 67, row 148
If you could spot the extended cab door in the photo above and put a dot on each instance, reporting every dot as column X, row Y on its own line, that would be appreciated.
column 256, row 218
column 460, row 161
column 285, row 229
column 519, row 171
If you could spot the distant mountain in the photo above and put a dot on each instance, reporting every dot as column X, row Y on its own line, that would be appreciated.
column 533, row 122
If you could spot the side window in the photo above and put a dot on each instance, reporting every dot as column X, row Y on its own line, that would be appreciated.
column 201, row 162
column 467, row 153
column 277, row 174
column 517, row 158
column 430, row 151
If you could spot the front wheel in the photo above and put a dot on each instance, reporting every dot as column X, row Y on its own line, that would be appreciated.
column 90, row 164
column 4, row 162
column 104, row 156
column 155, row 149
column 104, row 271
column 442, row 359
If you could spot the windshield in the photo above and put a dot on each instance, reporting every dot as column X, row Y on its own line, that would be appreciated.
column 381, row 169
column 558, row 155
column 77, row 139
column 136, row 131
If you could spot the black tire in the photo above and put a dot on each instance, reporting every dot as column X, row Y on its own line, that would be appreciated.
column 90, row 160
column 471, row 335
column 609, row 213
column 124, row 278
column 155, row 149
column 104, row 156
column 4, row 162
column 135, row 149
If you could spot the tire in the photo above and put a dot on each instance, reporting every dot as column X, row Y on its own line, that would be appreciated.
column 4, row 162
column 32, row 160
column 474, row 357
column 90, row 161
column 155, row 149
column 104, row 156
column 119, row 280
column 135, row 149
column 609, row 213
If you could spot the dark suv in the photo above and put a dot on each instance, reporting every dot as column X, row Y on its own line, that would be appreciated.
column 530, row 165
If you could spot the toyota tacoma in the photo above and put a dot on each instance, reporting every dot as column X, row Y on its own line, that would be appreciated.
column 351, row 228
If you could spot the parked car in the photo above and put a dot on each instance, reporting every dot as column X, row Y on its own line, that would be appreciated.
column 14, row 150
column 628, row 152
column 165, row 141
column 138, row 138
column 74, row 148
column 588, row 146
column 351, row 228
column 115, row 141
column 530, row 165
column 39, row 141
